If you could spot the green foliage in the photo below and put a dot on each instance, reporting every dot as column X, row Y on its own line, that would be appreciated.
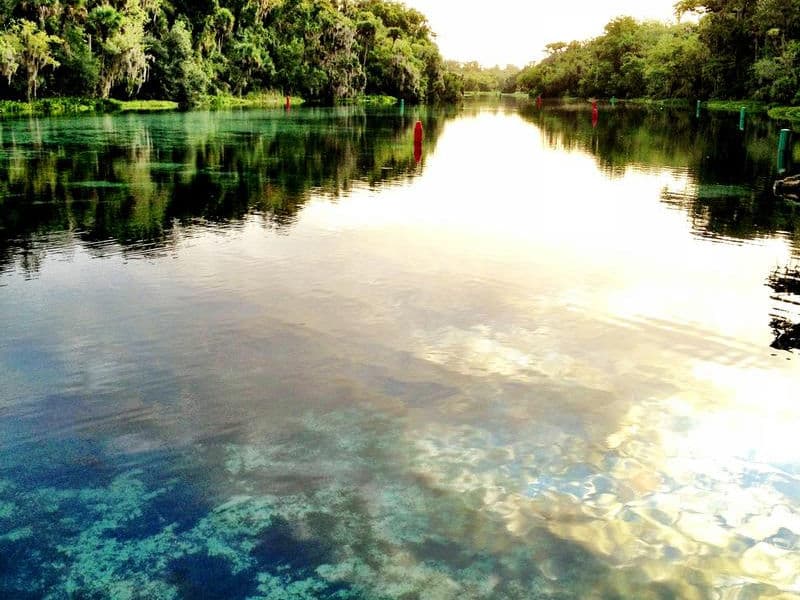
column 256, row 99
column 323, row 50
column 72, row 105
column 79, row 73
column 734, row 106
column 10, row 51
column 737, row 49
column 785, row 113
column 35, row 52
column 142, row 105
column 176, row 72
column 377, row 101
column 476, row 78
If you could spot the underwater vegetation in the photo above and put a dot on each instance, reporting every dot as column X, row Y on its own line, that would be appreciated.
column 306, row 517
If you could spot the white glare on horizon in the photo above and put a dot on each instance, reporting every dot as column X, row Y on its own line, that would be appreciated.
column 516, row 31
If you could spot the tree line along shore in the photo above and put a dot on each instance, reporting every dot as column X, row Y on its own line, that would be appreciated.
column 189, row 51
column 109, row 55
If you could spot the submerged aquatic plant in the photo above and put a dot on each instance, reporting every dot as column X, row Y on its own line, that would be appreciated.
column 347, row 506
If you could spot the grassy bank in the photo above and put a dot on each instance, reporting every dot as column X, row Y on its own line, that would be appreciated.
column 377, row 101
column 66, row 106
column 751, row 106
column 259, row 100
column 142, row 105
column 732, row 106
column 663, row 103
column 785, row 113
column 490, row 94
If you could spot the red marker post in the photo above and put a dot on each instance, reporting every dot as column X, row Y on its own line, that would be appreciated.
column 419, row 135
column 417, row 152
column 595, row 113
column 539, row 101
column 288, row 102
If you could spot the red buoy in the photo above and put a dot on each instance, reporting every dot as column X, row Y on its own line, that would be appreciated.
column 595, row 113
column 288, row 102
column 539, row 101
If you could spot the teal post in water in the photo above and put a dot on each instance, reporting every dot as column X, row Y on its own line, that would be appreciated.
column 742, row 113
column 697, row 110
column 402, row 106
column 613, row 100
column 783, row 147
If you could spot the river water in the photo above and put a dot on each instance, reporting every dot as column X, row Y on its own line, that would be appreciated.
column 272, row 355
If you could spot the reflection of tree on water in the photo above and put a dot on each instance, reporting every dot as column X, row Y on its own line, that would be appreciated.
column 131, row 181
column 731, row 172
column 785, row 282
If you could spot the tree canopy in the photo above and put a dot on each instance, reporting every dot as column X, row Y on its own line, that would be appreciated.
column 182, row 50
column 736, row 49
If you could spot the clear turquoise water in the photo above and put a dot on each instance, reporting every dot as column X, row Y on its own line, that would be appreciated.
column 267, row 355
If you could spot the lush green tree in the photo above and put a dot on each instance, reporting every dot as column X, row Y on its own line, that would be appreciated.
column 36, row 52
column 673, row 65
column 477, row 78
column 10, row 51
column 737, row 49
column 177, row 72
column 79, row 73
column 120, row 36
column 324, row 50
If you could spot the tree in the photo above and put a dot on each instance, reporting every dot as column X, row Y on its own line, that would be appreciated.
column 10, row 50
column 673, row 65
column 36, row 52
column 177, row 72
column 121, row 50
column 321, row 49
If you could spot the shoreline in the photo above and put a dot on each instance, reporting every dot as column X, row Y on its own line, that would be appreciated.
column 47, row 107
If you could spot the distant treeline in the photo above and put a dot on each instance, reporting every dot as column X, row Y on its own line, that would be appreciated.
column 185, row 50
column 476, row 78
column 737, row 49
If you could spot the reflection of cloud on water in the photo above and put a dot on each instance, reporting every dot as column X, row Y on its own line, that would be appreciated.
column 684, row 486
column 482, row 351
column 340, row 505
column 517, row 354
column 441, row 512
column 359, row 504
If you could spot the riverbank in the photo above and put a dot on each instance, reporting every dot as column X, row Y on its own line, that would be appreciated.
column 257, row 100
column 785, row 113
column 751, row 106
column 777, row 113
column 62, row 106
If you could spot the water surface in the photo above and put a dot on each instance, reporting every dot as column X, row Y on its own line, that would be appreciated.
column 267, row 355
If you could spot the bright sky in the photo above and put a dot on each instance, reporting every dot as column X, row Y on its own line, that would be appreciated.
column 515, row 31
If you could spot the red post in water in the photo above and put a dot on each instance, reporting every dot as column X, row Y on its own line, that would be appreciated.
column 288, row 102
column 595, row 113
column 418, row 137
column 417, row 151
column 539, row 101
